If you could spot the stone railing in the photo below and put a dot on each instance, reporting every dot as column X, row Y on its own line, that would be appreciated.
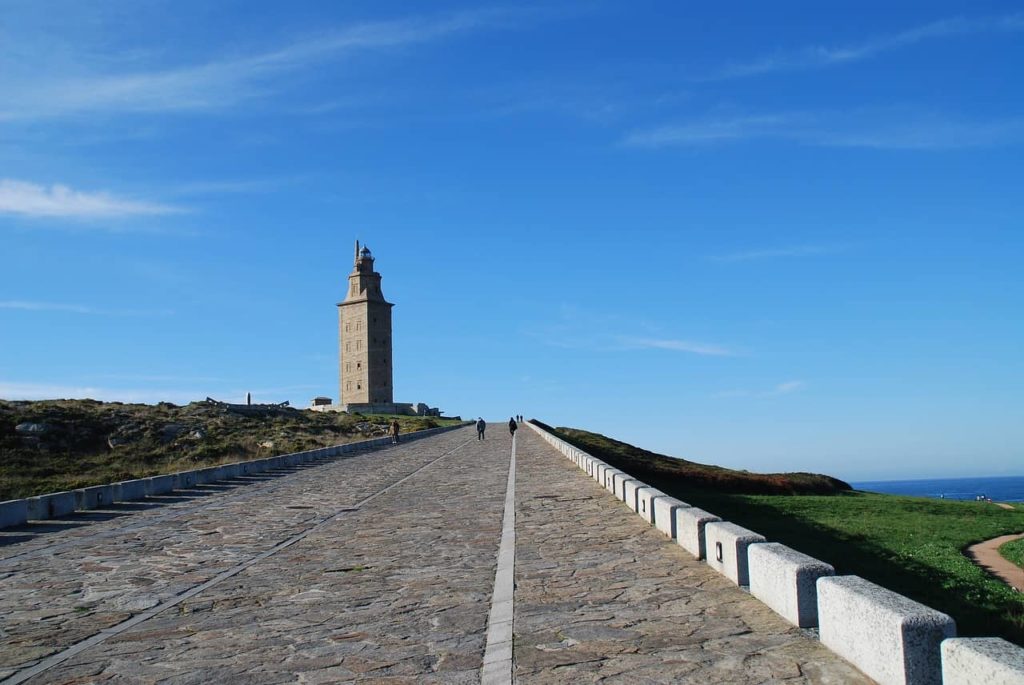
column 891, row 638
column 56, row 504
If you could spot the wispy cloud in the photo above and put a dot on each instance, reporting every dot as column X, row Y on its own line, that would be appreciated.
column 233, row 186
column 778, row 253
column 786, row 388
column 14, row 390
column 18, row 390
column 885, row 129
column 688, row 346
column 33, row 306
column 817, row 56
column 23, row 198
column 226, row 82
column 579, row 329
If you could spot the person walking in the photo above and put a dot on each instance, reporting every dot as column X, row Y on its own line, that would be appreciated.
column 512, row 427
column 481, row 426
column 393, row 431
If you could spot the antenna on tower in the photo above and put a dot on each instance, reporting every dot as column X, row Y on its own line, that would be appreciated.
column 357, row 251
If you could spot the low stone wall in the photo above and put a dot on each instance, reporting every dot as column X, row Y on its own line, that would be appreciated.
column 887, row 636
column 56, row 504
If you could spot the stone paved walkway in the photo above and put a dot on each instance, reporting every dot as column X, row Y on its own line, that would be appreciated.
column 379, row 568
column 601, row 597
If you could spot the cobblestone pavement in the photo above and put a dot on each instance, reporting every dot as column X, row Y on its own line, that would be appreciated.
column 379, row 568
column 399, row 587
column 603, row 597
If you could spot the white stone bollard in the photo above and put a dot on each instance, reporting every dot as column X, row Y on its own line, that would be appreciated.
column 893, row 639
column 786, row 580
column 690, row 533
column 130, row 490
column 610, row 479
column 989, row 660
column 51, row 506
column 599, row 472
column 727, row 549
column 93, row 498
column 645, row 499
column 620, row 490
column 13, row 512
column 665, row 514
column 629, row 492
column 159, row 485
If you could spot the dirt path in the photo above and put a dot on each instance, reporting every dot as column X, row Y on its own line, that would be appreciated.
column 986, row 555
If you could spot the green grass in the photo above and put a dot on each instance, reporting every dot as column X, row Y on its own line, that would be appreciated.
column 911, row 545
column 1014, row 552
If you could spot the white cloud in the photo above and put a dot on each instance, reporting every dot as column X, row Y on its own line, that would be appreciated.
column 888, row 129
column 227, row 82
column 34, row 306
column 45, row 307
column 814, row 57
column 29, row 199
column 689, row 346
column 786, row 388
column 43, row 391
column 778, row 253
column 17, row 390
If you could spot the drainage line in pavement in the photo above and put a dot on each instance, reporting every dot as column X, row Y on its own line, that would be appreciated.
column 497, row 668
column 62, row 656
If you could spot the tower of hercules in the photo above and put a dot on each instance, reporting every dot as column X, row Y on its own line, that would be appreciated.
column 364, row 327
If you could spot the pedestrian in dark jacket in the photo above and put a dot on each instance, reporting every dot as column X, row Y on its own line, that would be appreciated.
column 512, row 427
column 481, row 426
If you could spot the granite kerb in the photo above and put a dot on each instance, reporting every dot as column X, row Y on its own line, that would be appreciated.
column 887, row 636
column 19, row 512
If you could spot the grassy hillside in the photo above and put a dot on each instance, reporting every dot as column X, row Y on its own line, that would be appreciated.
column 644, row 464
column 63, row 444
column 911, row 545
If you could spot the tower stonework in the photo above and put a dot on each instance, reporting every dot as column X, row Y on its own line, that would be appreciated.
column 364, row 335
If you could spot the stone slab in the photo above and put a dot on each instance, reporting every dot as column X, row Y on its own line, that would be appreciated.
column 645, row 499
column 94, row 498
column 726, row 549
column 630, row 493
column 989, row 660
column 786, row 580
column 690, row 533
column 13, row 513
column 130, row 490
column 51, row 506
column 893, row 639
column 159, row 485
column 184, row 480
column 665, row 514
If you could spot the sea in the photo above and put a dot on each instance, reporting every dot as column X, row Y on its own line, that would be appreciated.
column 1002, row 489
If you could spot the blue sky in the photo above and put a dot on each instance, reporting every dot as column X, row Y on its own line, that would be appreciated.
column 770, row 235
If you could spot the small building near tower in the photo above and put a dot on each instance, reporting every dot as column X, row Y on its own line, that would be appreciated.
column 365, row 373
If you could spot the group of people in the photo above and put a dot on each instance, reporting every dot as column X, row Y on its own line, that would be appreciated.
column 481, row 426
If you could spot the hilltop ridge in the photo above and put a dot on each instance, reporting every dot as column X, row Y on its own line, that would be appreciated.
column 52, row 445
column 659, row 469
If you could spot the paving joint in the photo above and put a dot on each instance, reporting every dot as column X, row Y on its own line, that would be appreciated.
column 498, row 652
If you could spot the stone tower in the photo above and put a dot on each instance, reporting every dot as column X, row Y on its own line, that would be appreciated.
column 364, row 335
